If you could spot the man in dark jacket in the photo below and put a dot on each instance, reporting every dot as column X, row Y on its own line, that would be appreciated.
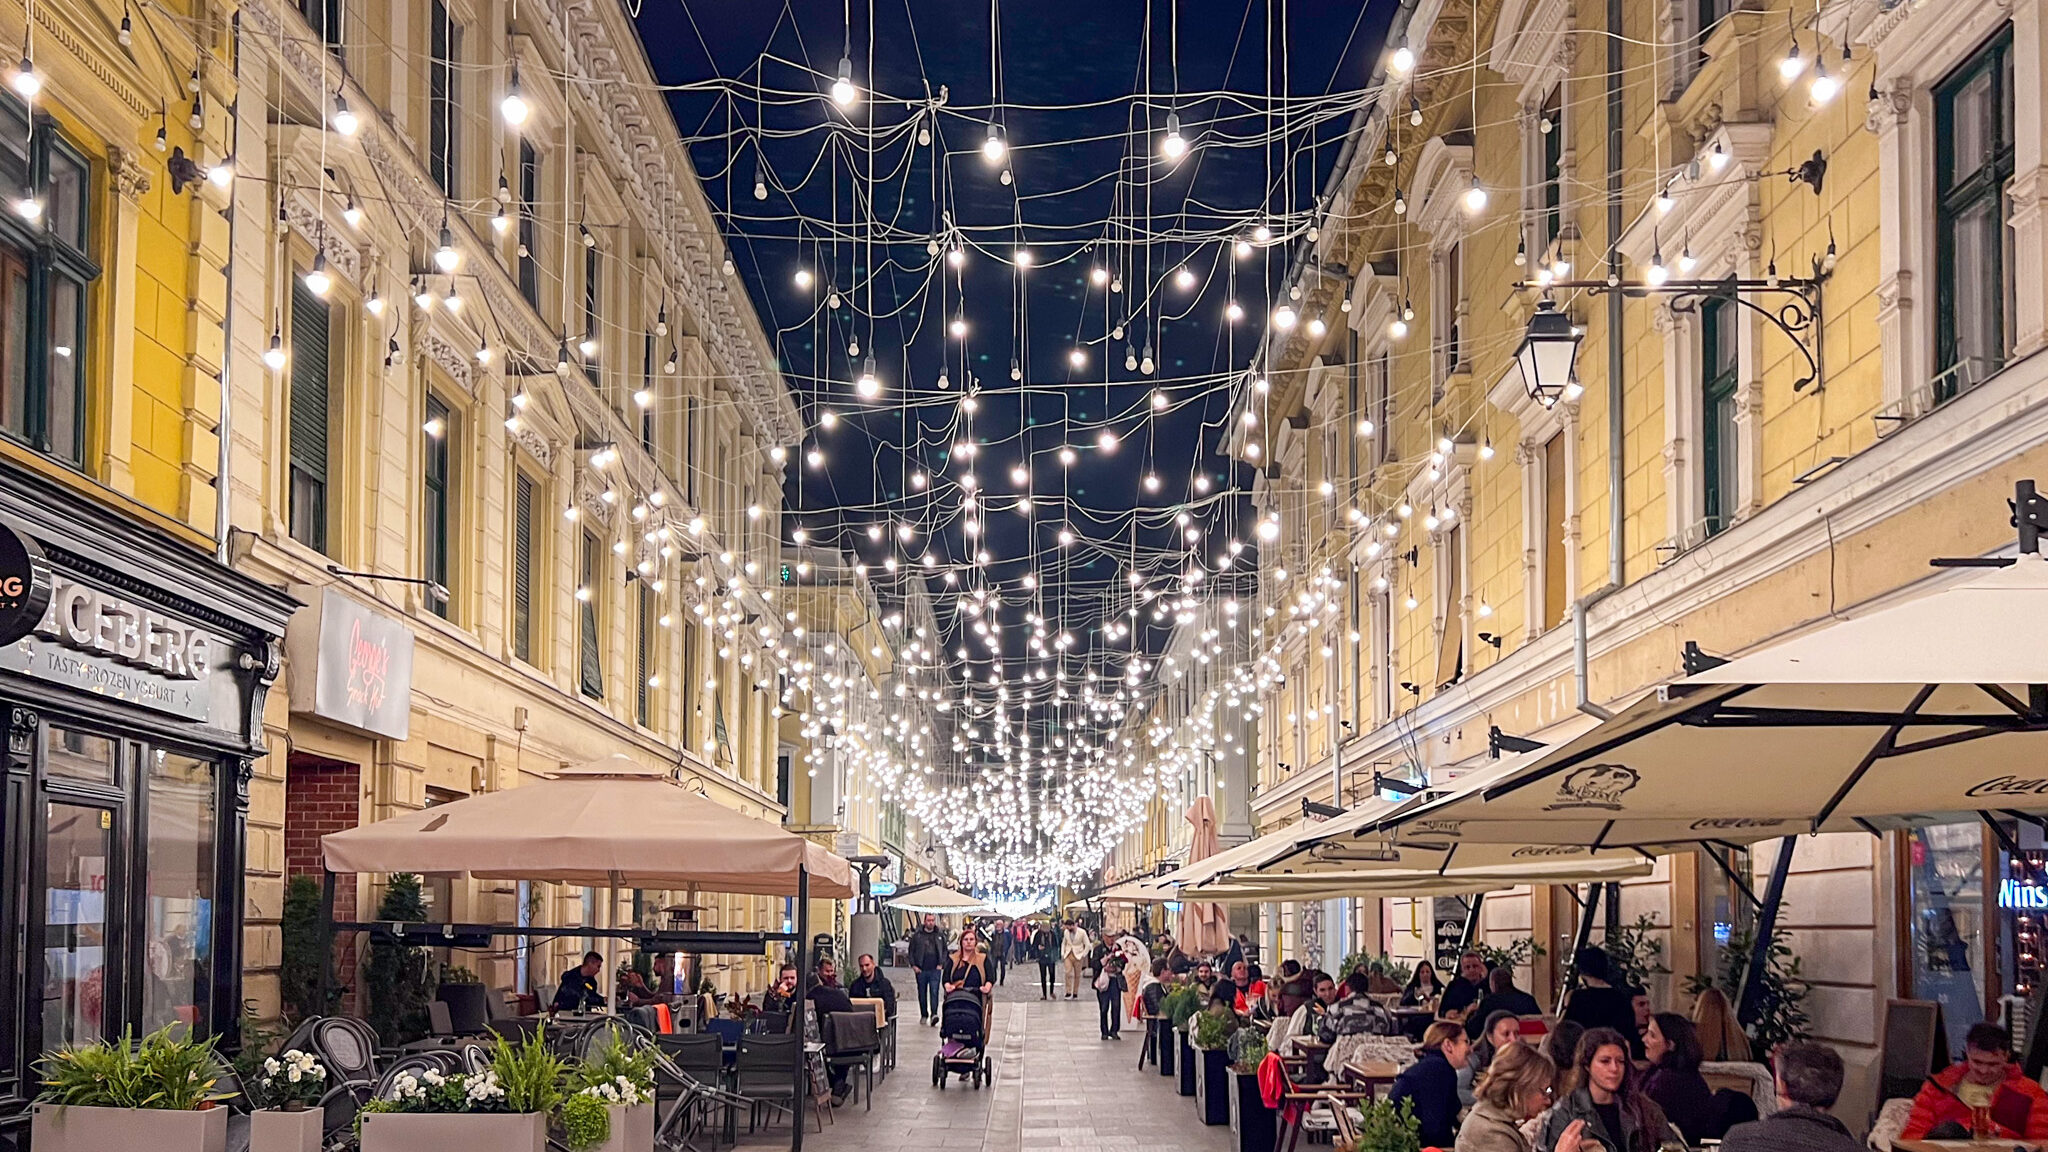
column 1501, row 996
column 1045, row 948
column 872, row 985
column 1809, row 1078
column 928, row 957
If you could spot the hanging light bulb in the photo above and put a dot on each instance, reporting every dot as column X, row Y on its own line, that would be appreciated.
column 126, row 35
column 760, row 184
column 1718, row 158
column 1402, row 60
column 1023, row 258
column 1792, row 64
column 1233, row 312
column 274, row 356
column 1098, row 275
column 423, row 296
column 1685, row 261
column 1158, row 400
column 1077, row 358
column 1400, row 203
column 1657, row 273
column 588, row 346
column 1414, row 112
column 868, row 385
column 375, row 304
column 959, row 325
column 993, row 148
column 483, row 356
column 344, row 119
column 1316, row 327
column 956, row 256
column 514, row 107
column 1665, row 202
column 352, row 213
column 1184, row 279
column 1284, row 318
column 1145, row 360
column 1475, row 197
column 1486, row 449
column 222, row 174
column 1824, row 86
column 1016, row 369
column 1397, row 328
column 944, row 382
column 843, row 91
column 26, row 81
column 804, row 279
column 1392, row 157
column 1106, row 441
column 1151, row 482
column 317, row 279
column 446, row 258
column 1174, row 146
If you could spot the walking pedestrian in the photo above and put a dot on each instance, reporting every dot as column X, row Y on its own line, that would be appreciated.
column 998, row 953
column 1074, row 951
column 928, row 957
column 1045, row 948
column 1109, row 996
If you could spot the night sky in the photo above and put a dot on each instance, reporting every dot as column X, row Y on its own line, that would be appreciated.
column 1090, row 188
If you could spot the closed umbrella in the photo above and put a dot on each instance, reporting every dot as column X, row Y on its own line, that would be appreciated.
column 1203, row 925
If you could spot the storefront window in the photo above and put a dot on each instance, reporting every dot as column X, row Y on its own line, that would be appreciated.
column 2022, row 913
column 1725, row 912
column 78, row 847
column 78, row 755
column 178, row 907
column 1946, row 879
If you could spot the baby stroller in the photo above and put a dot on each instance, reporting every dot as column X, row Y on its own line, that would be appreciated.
column 963, row 1038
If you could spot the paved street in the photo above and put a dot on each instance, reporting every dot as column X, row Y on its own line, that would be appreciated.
column 1057, row 1086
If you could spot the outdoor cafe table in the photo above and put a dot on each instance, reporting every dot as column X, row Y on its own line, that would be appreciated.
column 1371, row 1075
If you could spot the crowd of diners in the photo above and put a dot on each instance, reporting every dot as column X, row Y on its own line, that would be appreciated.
column 1491, row 1073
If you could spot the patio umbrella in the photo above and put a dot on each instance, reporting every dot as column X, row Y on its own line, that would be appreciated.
column 1134, row 892
column 940, row 900
column 1342, row 885
column 1203, row 924
column 612, row 822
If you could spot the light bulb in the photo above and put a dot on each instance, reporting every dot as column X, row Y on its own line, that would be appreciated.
column 993, row 148
column 1718, row 158
column 1402, row 61
column 1486, row 449
column 760, row 186
column 500, row 223
column 375, row 304
column 1077, row 358
column 1233, row 312
column 1397, row 328
column 1664, row 199
column 1145, row 364
column 1098, row 275
column 26, row 81
column 956, row 256
column 1184, row 279
column 1824, row 85
column 273, row 356
column 868, row 386
column 804, row 279
column 1174, row 146
column 317, row 280
column 434, row 427
column 958, row 327
column 1151, row 482
column 843, row 91
column 1657, row 274
column 1365, row 427
column 483, row 356
column 588, row 345
column 1685, row 261
column 1106, row 441
column 1475, row 197
column 1067, row 455
column 1024, row 257
column 424, row 298
column 1284, row 318
column 1158, row 400
column 514, row 107
column 1792, row 64
column 1316, row 327
column 352, row 214
column 345, row 121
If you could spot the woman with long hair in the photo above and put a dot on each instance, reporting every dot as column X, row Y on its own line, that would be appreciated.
column 1431, row 1083
column 967, row 969
column 1721, row 1036
column 1517, row 1087
column 1423, row 987
column 1606, row 1094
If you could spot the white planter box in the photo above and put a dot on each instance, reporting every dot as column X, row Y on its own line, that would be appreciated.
column 428, row 1132
column 67, row 1129
column 632, row 1129
column 271, row 1130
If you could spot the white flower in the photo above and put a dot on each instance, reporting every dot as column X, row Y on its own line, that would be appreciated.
column 270, row 1065
column 433, row 1078
column 294, row 1075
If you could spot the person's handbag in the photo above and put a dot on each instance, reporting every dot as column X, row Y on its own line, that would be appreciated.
column 1102, row 981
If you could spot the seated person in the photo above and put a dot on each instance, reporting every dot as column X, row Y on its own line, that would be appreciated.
column 1501, row 996
column 1356, row 1013
column 1987, row 1079
column 1809, row 1078
column 1674, row 1080
column 779, row 997
column 578, row 990
column 634, row 988
column 872, row 985
column 826, row 998
column 1430, row 1084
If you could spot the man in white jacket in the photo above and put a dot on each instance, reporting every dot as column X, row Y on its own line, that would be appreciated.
column 1074, row 952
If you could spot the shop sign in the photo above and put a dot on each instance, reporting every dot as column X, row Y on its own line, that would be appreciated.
column 1449, row 914
column 24, row 585
column 2022, row 895
column 98, row 642
column 881, row 888
column 350, row 665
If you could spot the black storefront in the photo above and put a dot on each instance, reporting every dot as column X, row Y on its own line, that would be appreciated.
column 134, row 712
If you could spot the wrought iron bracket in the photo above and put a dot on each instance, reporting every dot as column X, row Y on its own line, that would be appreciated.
column 1792, row 304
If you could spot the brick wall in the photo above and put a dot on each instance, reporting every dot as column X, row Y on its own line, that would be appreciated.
column 323, row 796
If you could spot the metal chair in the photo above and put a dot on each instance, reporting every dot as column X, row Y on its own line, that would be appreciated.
column 764, row 1074
column 851, row 1042
column 684, row 1101
column 475, row 1058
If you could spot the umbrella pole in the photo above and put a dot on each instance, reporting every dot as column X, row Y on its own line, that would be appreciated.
column 1766, row 927
column 1471, row 920
column 802, row 1005
column 327, row 883
column 1584, row 933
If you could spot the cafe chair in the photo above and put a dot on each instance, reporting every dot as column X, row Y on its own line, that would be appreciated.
column 763, row 1076
column 851, row 1042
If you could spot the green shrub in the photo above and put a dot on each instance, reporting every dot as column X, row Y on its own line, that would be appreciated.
column 1213, row 1030
column 530, row 1074
column 1386, row 1128
column 1247, row 1049
column 298, row 971
column 167, row 1071
column 586, row 1122
column 397, row 980
column 1180, row 1004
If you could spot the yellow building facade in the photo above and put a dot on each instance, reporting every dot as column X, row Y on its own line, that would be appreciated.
column 1712, row 477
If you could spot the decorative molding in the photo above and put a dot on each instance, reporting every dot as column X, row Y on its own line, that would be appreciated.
column 344, row 258
column 459, row 365
column 127, row 176
column 22, row 724
column 530, row 440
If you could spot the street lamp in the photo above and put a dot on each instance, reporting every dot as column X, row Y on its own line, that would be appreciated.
column 1549, row 353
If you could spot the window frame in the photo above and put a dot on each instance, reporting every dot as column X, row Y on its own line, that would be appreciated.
column 589, row 619
column 444, row 97
column 1720, row 383
column 437, row 502
column 645, row 611
column 1986, row 183
column 317, row 536
column 526, row 630
column 46, row 258
column 529, row 223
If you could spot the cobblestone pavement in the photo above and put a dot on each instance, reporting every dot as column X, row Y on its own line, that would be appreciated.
column 1058, row 1086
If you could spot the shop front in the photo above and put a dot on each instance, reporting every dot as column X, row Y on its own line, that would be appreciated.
column 133, row 696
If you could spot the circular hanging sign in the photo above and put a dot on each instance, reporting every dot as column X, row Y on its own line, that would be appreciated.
column 24, row 584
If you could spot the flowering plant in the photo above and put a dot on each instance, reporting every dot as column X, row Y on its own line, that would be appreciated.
column 616, row 1074
column 290, row 1080
column 433, row 1091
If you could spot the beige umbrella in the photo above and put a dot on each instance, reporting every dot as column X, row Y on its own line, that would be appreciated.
column 612, row 822
column 1134, row 892
column 1203, row 927
column 942, row 901
column 1928, row 712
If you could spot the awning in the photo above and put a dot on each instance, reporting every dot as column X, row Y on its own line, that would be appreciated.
column 1134, row 892
column 940, row 900
column 1929, row 712
column 610, row 823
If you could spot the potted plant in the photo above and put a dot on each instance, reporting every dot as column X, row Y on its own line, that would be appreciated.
column 1179, row 1008
column 1212, row 1079
column 1255, row 1125
column 1383, row 1127
column 157, row 1094
column 284, row 1091
column 506, row 1107
column 622, row 1079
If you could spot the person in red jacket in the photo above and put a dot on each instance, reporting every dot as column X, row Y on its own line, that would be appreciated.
column 1986, row 1085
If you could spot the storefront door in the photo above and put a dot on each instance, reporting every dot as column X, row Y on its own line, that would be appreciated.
column 82, row 901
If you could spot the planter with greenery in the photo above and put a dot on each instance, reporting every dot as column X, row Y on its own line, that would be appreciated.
column 622, row 1079
column 298, row 971
column 285, row 1091
column 1253, row 1126
column 1212, row 1080
column 1166, row 1043
column 1781, row 1000
column 1188, row 1063
column 157, row 1094
column 399, row 979
column 507, row 1108
column 1385, row 1128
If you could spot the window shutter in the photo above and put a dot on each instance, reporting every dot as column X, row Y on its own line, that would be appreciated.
column 309, row 398
column 522, row 567
column 642, row 626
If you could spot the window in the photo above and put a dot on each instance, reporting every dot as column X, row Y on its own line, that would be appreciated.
column 178, row 885
column 325, row 17
column 434, row 501
column 311, row 417
column 593, row 297
column 1945, row 879
column 1450, row 310
column 589, row 645
column 643, row 656
column 526, row 531
column 1352, row 412
column 1973, row 117
column 1550, row 200
column 690, row 413
column 529, row 227
column 444, row 96
column 646, row 398
column 1450, row 649
column 1720, row 365
column 1380, row 401
column 45, row 270
column 1555, row 590
column 1710, row 13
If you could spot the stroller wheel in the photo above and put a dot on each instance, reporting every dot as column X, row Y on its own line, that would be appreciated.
column 939, row 1071
column 988, row 1069
column 976, row 1076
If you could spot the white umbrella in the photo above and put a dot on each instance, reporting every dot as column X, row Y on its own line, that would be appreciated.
column 941, row 901
column 1932, row 711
